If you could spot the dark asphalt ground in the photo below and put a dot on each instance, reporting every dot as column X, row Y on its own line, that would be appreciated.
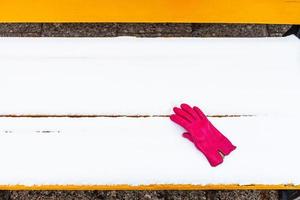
column 145, row 195
column 140, row 30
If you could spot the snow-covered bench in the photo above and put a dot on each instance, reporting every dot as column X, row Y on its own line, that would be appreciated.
column 93, row 113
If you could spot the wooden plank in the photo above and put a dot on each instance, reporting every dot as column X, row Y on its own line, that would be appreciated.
column 144, row 151
column 128, row 76
column 205, row 11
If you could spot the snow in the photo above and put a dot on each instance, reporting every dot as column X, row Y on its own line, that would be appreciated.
column 144, row 151
column 148, row 76
column 131, row 76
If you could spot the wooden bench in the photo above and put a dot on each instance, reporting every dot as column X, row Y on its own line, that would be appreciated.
column 204, row 11
column 93, row 113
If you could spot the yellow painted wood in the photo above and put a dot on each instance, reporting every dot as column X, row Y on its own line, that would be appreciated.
column 206, row 11
column 152, row 187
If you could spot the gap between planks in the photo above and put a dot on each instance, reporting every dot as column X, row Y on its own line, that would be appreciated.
column 103, row 116
column 113, row 116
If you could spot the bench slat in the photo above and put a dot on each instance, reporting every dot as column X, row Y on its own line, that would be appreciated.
column 205, row 11
column 142, row 151
column 128, row 76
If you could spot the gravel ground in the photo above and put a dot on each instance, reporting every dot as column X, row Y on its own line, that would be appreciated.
column 145, row 195
column 140, row 30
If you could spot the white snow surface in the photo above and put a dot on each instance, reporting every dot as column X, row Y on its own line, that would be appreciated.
column 134, row 76
column 130, row 76
column 136, row 151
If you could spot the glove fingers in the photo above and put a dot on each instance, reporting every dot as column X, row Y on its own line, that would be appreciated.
column 189, row 110
column 199, row 112
column 183, row 114
column 179, row 120
column 188, row 136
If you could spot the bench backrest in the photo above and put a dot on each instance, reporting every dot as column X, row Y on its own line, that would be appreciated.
column 204, row 11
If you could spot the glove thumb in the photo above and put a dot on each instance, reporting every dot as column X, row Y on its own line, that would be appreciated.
column 188, row 136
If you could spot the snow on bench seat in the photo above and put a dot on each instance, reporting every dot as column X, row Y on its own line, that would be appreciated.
column 142, row 151
column 95, row 111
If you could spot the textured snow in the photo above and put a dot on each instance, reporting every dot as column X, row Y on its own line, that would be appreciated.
column 144, row 151
column 149, row 76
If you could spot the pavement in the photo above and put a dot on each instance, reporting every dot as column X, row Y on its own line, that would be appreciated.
column 144, row 195
column 140, row 30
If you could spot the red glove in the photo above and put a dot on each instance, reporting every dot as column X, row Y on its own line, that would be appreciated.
column 202, row 133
